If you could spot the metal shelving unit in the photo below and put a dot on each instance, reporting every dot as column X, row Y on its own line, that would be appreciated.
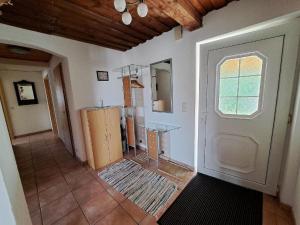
column 135, row 73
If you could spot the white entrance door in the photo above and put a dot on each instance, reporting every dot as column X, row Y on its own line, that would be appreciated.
column 241, row 103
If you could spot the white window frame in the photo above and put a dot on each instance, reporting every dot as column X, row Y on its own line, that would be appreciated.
column 262, row 82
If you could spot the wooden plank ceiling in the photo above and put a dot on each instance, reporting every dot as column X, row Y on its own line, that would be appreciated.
column 97, row 22
column 29, row 54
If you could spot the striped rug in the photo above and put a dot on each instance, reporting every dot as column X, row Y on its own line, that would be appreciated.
column 147, row 189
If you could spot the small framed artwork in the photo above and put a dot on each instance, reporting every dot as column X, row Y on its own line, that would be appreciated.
column 25, row 92
column 102, row 76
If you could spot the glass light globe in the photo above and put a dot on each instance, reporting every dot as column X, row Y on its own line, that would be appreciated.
column 120, row 5
column 142, row 9
column 126, row 18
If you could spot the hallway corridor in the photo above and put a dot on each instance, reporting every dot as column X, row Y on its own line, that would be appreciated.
column 60, row 191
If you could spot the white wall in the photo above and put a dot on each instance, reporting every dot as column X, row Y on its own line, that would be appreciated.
column 81, row 61
column 26, row 119
column 13, row 206
column 290, row 188
column 235, row 16
column 84, row 59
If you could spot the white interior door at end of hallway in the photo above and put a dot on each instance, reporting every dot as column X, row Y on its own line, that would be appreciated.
column 62, row 116
column 242, row 86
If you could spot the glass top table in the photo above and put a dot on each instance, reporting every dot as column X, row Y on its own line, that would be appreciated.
column 160, row 127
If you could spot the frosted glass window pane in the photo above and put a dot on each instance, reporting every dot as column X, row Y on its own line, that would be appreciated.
column 230, row 68
column 249, row 86
column 251, row 65
column 247, row 105
column 228, row 105
column 228, row 87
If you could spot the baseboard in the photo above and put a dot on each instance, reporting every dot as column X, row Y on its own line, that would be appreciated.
column 141, row 147
column 33, row 133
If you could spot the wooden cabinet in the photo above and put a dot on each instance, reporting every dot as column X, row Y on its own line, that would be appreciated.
column 101, row 128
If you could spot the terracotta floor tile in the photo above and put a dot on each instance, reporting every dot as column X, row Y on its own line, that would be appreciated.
column 58, row 208
column 99, row 206
column 117, row 217
column 53, row 193
column 47, row 172
column 33, row 203
column 134, row 211
column 46, row 164
column 67, row 167
column 50, row 182
column 284, row 212
column 30, row 190
column 150, row 220
column 76, row 217
column 28, row 180
column 103, row 183
column 269, row 203
column 36, row 218
column 284, row 221
column 116, row 195
column 269, row 218
column 87, row 191
column 78, row 179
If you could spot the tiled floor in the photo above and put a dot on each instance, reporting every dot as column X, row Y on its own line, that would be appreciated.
column 59, row 191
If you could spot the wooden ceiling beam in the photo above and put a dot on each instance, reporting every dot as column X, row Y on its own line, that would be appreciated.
column 182, row 11
column 199, row 6
column 89, row 25
column 107, row 12
column 106, row 7
column 161, row 15
column 102, row 19
column 33, row 24
column 43, row 18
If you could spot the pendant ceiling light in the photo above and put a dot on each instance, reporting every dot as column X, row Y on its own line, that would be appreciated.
column 5, row 2
column 122, row 6
column 142, row 9
column 126, row 18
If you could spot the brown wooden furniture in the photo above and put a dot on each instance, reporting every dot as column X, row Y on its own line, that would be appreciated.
column 152, row 141
column 127, row 91
column 101, row 128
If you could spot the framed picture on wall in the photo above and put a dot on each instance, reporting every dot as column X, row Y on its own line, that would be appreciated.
column 25, row 92
column 102, row 76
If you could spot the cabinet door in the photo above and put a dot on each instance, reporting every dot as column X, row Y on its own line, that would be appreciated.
column 114, row 134
column 99, row 138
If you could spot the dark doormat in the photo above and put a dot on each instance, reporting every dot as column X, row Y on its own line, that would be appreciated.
column 209, row 201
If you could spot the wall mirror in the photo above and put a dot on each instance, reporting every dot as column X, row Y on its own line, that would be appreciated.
column 161, row 86
column 25, row 92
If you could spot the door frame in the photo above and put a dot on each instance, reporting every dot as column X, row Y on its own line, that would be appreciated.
column 287, row 74
column 59, row 65
column 6, row 112
column 50, row 104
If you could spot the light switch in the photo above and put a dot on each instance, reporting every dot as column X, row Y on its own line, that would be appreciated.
column 184, row 107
